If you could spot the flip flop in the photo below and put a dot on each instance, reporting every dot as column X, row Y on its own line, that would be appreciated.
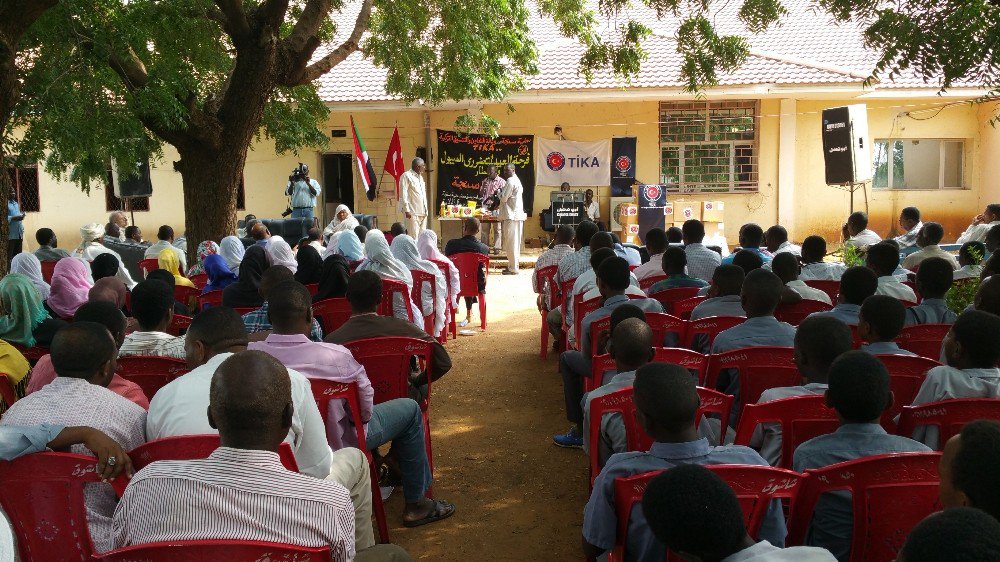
column 435, row 515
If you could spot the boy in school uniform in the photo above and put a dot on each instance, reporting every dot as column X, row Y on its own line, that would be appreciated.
column 879, row 323
column 970, row 259
column 724, row 294
column 883, row 259
column 934, row 278
column 968, row 468
column 813, row 266
column 856, row 284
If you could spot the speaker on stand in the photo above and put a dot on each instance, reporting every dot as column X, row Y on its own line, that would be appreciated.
column 131, row 181
column 847, row 148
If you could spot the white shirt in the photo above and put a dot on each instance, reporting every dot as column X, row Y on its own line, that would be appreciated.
column 865, row 238
column 976, row 232
column 913, row 260
column 301, row 196
column 766, row 552
column 154, row 252
column 181, row 408
column 156, row 344
column 511, row 200
column 701, row 262
column 653, row 267
column 788, row 247
column 92, row 251
column 412, row 194
column 969, row 271
column 593, row 211
column 890, row 286
column 809, row 293
column 822, row 271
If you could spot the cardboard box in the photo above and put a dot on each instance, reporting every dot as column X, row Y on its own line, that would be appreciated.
column 686, row 210
column 668, row 213
column 713, row 211
column 624, row 211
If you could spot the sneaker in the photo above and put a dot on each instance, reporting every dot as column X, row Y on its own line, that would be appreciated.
column 463, row 323
column 571, row 439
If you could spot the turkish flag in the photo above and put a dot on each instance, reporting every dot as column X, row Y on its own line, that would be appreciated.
column 394, row 159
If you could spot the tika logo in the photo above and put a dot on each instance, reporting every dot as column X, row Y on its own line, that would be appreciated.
column 652, row 192
column 555, row 161
column 623, row 164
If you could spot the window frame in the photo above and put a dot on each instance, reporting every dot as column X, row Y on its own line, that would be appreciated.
column 18, row 170
column 941, row 164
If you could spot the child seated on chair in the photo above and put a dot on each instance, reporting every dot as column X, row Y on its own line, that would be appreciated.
column 883, row 259
column 674, row 266
column 859, row 391
column 879, row 323
column 856, row 284
column 934, row 278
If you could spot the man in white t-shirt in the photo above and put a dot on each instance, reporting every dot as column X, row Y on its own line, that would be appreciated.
column 591, row 206
column 413, row 198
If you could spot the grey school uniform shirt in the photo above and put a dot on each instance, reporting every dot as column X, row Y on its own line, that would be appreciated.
column 945, row 383
column 930, row 311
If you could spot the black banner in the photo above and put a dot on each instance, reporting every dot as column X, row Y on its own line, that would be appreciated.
column 652, row 200
column 464, row 159
column 622, row 166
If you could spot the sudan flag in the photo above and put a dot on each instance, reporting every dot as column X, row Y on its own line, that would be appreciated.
column 364, row 164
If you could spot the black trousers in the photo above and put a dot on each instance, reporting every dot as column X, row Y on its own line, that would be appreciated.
column 14, row 247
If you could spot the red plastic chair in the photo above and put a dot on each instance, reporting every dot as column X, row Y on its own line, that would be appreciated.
column 670, row 296
column 709, row 326
column 663, row 324
column 684, row 308
column 190, row 447
column 313, row 288
column 948, row 416
column 890, row 495
column 795, row 313
column 7, row 393
column 445, row 268
column 216, row 550
column 150, row 373
column 546, row 278
column 32, row 354
column 332, row 313
column 650, row 280
column 199, row 280
column 354, row 265
column 690, row 360
column 468, row 278
column 148, row 264
column 913, row 286
column 582, row 308
column 632, row 268
column 210, row 299
column 565, row 289
column 906, row 374
column 179, row 324
column 755, row 486
column 801, row 418
column 390, row 288
column 48, row 268
column 325, row 391
column 924, row 339
column 831, row 288
column 759, row 368
column 420, row 278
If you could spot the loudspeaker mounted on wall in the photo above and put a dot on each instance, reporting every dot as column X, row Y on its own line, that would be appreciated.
column 846, row 145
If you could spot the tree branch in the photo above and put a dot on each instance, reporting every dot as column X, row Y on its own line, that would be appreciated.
column 271, row 13
column 17, row 16
column 130, row 69
column 237, row 25
column 304, row 75
column 307, row 27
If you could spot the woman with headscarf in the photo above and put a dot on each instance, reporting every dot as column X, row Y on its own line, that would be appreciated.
column 349, row 246
column 169, row 261
column 205, row 249
column 427, row 245
column 27, row 264
column 332, row 245
column 219, row 276
column 333, row 278
column 232, row 250
column 245, row 292
column 25, row 320
column 70, row 287
column 104, row 265
column 343, row 220
column 111, row 289
column 405, row 250
column 309, row 265
column 90, row 247
column 280, row 253
column 381, row 261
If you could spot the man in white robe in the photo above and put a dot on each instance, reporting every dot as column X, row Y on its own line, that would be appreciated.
column 512, row 214
column 413, row 198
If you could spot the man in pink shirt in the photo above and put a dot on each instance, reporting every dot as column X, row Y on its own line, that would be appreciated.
column 399, row 421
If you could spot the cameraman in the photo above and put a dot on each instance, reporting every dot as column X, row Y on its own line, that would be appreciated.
column 303, row 191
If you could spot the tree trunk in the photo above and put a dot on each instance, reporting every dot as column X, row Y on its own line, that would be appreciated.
column 6, row 190
column 210, row 182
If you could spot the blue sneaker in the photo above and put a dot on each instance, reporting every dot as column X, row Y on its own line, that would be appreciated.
column 571, row 439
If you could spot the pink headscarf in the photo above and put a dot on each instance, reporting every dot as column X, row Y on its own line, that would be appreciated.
column 70, row 286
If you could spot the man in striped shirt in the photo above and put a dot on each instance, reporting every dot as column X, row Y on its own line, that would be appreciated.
column 242, row 491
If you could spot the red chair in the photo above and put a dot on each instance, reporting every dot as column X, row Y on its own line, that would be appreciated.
column 650, row 280
column 670, row 296
column 210, row 299
column 332, row 313
column 663, row 324
column 831, row 288
column 632, row 268
column 191, row 551
column 7, row 393
column 890, row 495
column 179, row 324
column 354, row 265
column 582, row 308
column 420, row 278
column 48, row 268
column 709, row 327
column 148, row 264
column 684, row 308
column 200, row 280
column 758, row 369
column 755, row 486
column 445, row 268
column 190, row 447
column 545, row 278
column 924, row 339
column 325, row 391
column 906, row 374
column 948, row 416
column 313, row 288
column 565, row 289
column 801, row 418
column 32, row 354
column 391, row 288
column 150, row 373
column 468, row 264
column 913, row 286
column 795, row 313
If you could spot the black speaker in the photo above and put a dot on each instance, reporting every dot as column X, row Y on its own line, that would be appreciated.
column 131, row 181
column 846, row 146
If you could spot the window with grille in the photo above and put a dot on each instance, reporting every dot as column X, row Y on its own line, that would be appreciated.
column 708, row 146
column 113, row 203
column 918, row 164
column 25, row 182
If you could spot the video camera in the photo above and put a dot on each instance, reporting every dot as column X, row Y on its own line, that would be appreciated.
column 299, row 173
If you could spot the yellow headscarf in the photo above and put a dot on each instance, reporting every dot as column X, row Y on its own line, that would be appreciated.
column 168, row 260
column 12, row 363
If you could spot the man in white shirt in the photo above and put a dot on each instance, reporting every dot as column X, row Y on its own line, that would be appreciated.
column 786, row 266
column 909, row 221
column 90, row 247
column 724, row 297
column 120, row 220
column 153, row 308
column 970, row 258
column 813, row 266
column 413, row 198
column 562, row 248
column 701, row 261
column 165, row 239
column 591, row 206
column 656, row 244
column 512, row 214
column 883, row 259
column 776, row 240
column 302, row 192
column 928, row 239
column 856, row 232
column 981, row 224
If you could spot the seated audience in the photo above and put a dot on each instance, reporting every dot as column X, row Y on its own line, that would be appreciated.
column 396, row 229
column 23, row 318
column 934, row 279
column 747, row 260
column 751, row 239
column 570, row 268
column 48, row 246
column 349, row 245
column 776, row 240
column 260, row 234
column 813, row 266
column 859, row 391
column 618, row 315
column 968, row 468
column 314, row 238
column 818, row 342
column 379, row 259
column 550, row 257
column 674, row 263
column 909, row 222
column 112, row 290
column 786, row 266
column 168, row 261
column 724, row 296
column 433, row 300
column 280, row 253
column 103, row 266
column 701, row 260
column 361, row 231
column 987, row 297
column 970, row 260
column 857, row 284
column 675, row 236
column 232, row 250
column 117, row 222
column 953, row 535
column 696, row 515
column 245, row 292
column 219, row 275
column 883, row 259
column 981, row 224
column 310, row 265
column 656, row 244
column 259, row 320
column 169, row 279
column 343, row 220
column 666, row 401
column 333, row 278
column 70, row 285
column 427, row 245
column 133, row 235
column 153, row 308
column 205, row 248
column 19, row 440
column 397, row 421
column 992, row 241
column 83, row 355
column 855, row 231
column 470, row 243
column 28, row 265
column 588, row 278
column 880, row 321
column 929, row 240
column 91, row 246
column 631, row 255
column 164, row 241
column 589, row 283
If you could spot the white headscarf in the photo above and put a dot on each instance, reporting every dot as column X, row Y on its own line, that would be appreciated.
column 231, row 249
column 28, row 265
column 405, row 250
column 331, row 245
column 89, row 233
column 280, row 253
column 381, row 261
column 337, row 225
column 427, row 245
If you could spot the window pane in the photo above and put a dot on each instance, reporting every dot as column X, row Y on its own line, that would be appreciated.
column 880, row 165
column 682, row 125
column 670, row 165
column 731, row 124
column 953, row 163
column 707, row 164
column 709, row 145
column 922, row 163
column 898, row 166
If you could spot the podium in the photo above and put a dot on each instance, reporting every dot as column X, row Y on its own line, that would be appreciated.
column 567, row 208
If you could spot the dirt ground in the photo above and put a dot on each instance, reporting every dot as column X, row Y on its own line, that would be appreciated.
column 518, row 496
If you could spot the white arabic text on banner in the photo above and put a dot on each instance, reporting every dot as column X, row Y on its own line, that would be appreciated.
column 578, row 163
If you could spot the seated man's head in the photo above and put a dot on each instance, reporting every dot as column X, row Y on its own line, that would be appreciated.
column 314, row 234
column 727, row 280
column 165, row 233
column 598, row 256
column 775, row 237
column 133, row 233
column 564, row 234
column 973, row 341
column 106, row 314
column 883, row 258
column 675, row 235
column 656, row 241
column 881, row 319
column 859, row 388
column 289, row 308
column 857, row 222
column 104, row 265
column 674, row 261
column 84, row 350
column 666, row 402
column 751, row 236
column 273, row 276
column 250, row 401
column 934, row 278
column 397, row 229
column 992, row 212
column 601, row 240
column 364, row 292
column 259, row 232
column 692, row 511
column 219, row 329
column 118, row 218
column 470, row 227
column 693, row 231
column 631, row 344
column 624, row 312
column 962, row 533
column 613, row 276
column 761, row 293
column 987, row 297
column 909, row 217
column 818, row 342
column 360, row 231
column 813, row 249
column 153, row 305
column 930, row 235
column 786, row 266
column 584, row 232
column 968, row 468
column 46, row 237
column 972, row 253
column 857, row 284
column 748, row 261
column 993, row 239
column 113, row 230
column 249, row 217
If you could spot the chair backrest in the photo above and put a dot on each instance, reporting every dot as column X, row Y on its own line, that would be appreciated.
column 150, row 373
column 717, row 403
column 391, row 288
column 690, row 360
column 650, row 280
column 913, row 286
column 948, row 416
column 684, row 308
column 313, row 288
column 662, row 324
column 565, row 288
column 199, row 280
column 596, row 327
column 546, row 277
column 831, row 288
column 32, row 354
column 179, row 324
column 421, row 278
column 332, row 313
column 190, row 447
column 668, row 297
column 906, row 374
column 795, row 313
column 48, row 268
column 210, row 299
column 42, row 495
column 387, row 364
column 709, row 327
column 326, row 391
column 185, row 295
column 468, row 271
column 148, row 264
column 7, row 393
column 445, row 268
column 759, row 368
column 801, row 418
column 582, row 308
column 221, row 550
column 924, row 339
column 354, row 265
column 890, row 495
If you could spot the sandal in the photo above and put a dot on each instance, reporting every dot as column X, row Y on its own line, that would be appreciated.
column 439, row 510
